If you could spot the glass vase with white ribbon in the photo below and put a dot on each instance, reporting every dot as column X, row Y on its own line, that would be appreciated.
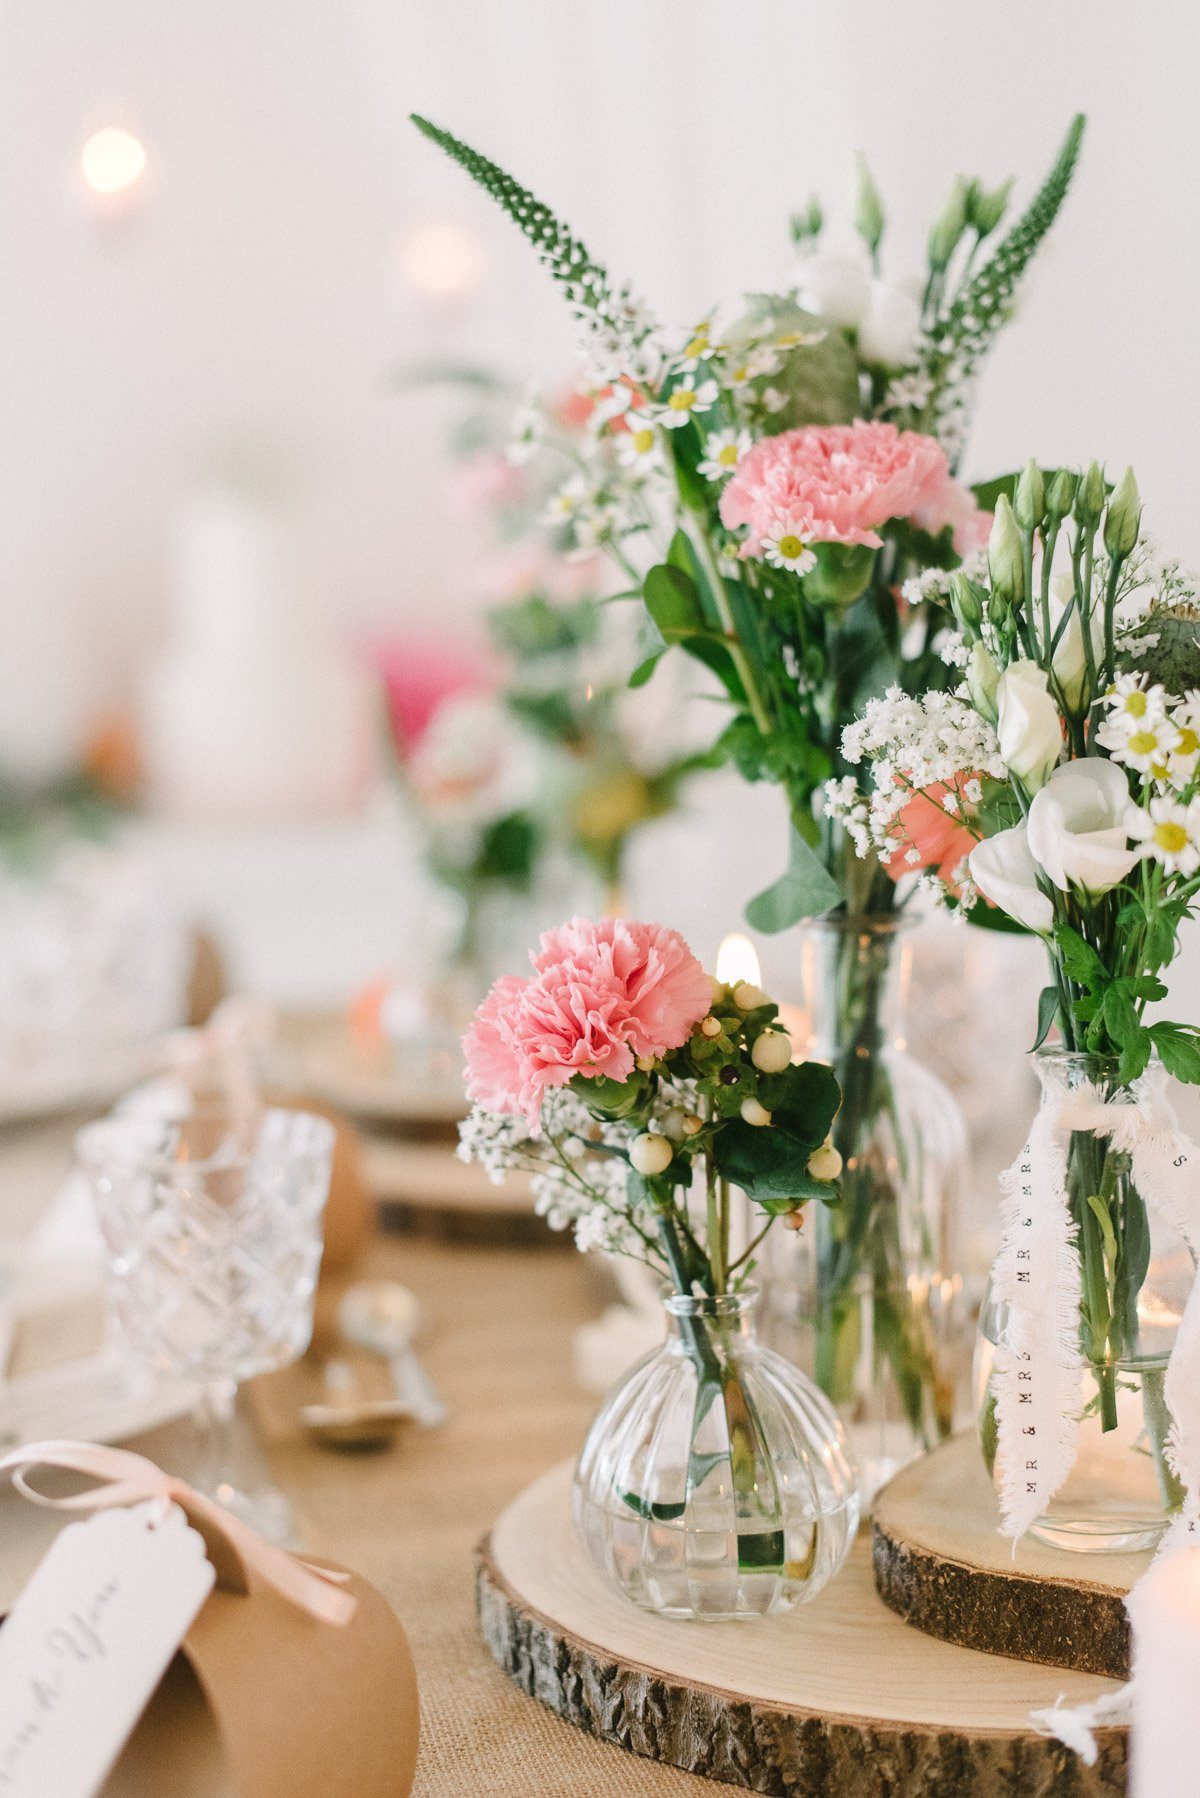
column 1077, row 1366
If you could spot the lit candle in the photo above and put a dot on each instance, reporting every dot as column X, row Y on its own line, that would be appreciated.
column 112, row 162
column 1164, row 1608
column 737, row 960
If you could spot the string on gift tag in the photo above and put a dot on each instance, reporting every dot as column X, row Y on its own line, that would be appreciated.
column 129, row 1479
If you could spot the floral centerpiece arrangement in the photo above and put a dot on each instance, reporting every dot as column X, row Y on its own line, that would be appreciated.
column 1068, row 767
column 638, row 1092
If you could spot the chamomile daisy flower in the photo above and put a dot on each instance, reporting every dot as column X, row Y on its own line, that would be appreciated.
column 723, row 450
column 685, row 400
column 1183, row 759
column 773, row 400
column 753, row 365
column 1171, row 833
column 1147, row 747
column 784, row 547
column 699, row 347
column 567, row 503
column 639, row 447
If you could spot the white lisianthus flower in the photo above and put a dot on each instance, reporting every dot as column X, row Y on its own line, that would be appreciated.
column 891, row 326
column 836, row 287
column 1027, row 724
column 1080, row 824
column 1005, row 872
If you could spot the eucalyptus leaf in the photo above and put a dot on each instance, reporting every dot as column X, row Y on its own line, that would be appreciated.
column 807, row 890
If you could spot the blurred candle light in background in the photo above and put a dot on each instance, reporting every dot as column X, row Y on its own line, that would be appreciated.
column 112, row 161
column 441, row 260
column 737, row 960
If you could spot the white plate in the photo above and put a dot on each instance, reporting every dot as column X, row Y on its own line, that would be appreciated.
column 106, row 1398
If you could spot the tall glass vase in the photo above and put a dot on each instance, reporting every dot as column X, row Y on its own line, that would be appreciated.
column 867, row 1297
column 1136, row 1274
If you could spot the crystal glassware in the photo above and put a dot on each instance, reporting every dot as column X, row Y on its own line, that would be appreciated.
column 1121, row 1492
column 212, row 1224
column 716, row 1481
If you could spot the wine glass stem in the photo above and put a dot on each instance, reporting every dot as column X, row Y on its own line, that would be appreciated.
column 214, row 1422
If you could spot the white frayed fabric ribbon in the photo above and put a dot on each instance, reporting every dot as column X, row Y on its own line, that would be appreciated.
column 1038, row 1372
column 1037, row 1379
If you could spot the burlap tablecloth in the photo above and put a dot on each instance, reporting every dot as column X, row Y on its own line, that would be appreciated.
column 498, row 1341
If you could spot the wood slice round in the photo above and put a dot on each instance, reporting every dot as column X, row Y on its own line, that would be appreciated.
column 941, row 1563
column 836, row 1698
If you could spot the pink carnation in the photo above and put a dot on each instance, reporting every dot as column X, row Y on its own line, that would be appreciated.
column 839, row 483
column 601, row 995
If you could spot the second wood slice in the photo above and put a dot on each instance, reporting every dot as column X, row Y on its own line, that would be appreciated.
column 941, row 1563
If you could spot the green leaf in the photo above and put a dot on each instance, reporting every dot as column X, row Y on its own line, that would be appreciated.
column 765, row 1163
column 1135, row 1055
column 672, row 602
column 1047, row 1013
column 1179, row 1050
column 649, row 649
column 807, row 890
column 508, row 850
column 803, row 1100
column 1120, row 1015
column 1078, row 957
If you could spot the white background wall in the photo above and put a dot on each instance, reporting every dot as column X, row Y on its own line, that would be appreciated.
column 256, row 295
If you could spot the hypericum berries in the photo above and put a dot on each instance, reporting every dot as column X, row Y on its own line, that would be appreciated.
column 772, row 1051
column 692, row 1125
column 651, row 1154
column 753, row 1112
column 710, row 1027
column 825, row 1163
column 748, row 997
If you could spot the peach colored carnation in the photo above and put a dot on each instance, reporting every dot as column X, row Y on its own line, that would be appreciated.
column 839, row 483
column 601, row 995
column 940, row 838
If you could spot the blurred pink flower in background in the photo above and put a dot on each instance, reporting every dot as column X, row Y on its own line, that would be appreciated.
column 839, row 483
column 484, row 483
column 419, row 674
column 601, row 995
column 511, row 570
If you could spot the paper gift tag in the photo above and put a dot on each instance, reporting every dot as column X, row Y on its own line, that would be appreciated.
column 89, row 1640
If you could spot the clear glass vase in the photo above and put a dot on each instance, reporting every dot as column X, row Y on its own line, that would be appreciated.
column 1136, row 1277
column 868, row 1295
column 716, row 1481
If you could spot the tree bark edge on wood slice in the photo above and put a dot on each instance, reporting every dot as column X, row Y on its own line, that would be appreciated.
column 1018, row 1615
column 763, row 1747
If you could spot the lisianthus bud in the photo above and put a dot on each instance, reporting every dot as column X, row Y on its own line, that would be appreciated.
column 651, row 1154
column 968, row 601
column 748, row 997
column 1006, row 555
column 825, row 1163
column 948, row 226
column 1089, row 500
column 1123, row 518
column 1029, row 500
column 983, row 677
column 868, row 207
column 755, row 1113
column 772, row 1051
column 984, row 209
column 1061, row 496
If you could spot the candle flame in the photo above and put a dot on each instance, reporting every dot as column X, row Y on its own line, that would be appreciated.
column 737, row 960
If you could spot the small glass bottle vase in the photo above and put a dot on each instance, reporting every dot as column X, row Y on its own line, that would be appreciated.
column 716, row 1481
column 867, row 1297
column 1136, row 1277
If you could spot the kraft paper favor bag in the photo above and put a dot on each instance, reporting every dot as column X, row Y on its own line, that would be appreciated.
column 295, row 1678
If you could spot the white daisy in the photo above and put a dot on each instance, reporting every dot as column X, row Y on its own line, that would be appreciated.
column 773, row 400
column 1146, row 745
column 1171, row 833
column 566, row 504
column 755, row 362
column 639, row 447
column 723, row 450
column 686, row 399
column 699, row 347
column 1183, row 759
column 784, row 547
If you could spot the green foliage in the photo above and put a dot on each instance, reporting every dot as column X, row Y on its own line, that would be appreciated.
column 806, row 890
column 962, row 336
column 1110, row 1006
column 585, row 282
column 508, row 850
column 530, row 628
